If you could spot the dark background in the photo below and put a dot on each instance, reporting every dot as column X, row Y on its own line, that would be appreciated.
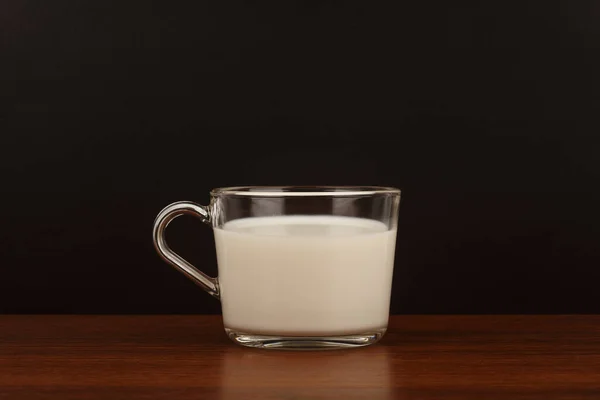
column 485, row 114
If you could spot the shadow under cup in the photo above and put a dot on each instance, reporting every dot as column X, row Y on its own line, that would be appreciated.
column 299, row 267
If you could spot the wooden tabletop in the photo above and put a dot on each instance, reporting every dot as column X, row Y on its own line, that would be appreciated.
column 189, row 357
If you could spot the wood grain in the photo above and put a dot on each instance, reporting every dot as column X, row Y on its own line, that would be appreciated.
column 189, row 357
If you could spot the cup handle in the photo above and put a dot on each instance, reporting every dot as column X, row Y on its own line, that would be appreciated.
column 168, row 214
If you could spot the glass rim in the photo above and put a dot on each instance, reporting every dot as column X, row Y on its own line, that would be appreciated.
column 306, row 191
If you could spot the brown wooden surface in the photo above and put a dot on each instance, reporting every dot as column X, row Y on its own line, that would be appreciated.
column 189, row 357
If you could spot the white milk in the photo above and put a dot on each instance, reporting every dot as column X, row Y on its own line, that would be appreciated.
column 305, row 275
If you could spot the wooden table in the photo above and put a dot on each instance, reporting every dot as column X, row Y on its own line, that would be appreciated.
column 189, row 357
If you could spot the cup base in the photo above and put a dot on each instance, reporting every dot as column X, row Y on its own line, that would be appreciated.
column 305, row 342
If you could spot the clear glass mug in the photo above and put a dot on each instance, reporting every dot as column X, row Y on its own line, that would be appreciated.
column 299, row 267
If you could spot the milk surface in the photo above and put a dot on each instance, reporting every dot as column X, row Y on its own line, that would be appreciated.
column 305, row 275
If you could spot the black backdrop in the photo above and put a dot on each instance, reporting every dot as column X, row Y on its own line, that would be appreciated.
column 484, row 113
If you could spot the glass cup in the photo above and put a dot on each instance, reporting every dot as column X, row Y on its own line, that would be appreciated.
column 299, row 267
